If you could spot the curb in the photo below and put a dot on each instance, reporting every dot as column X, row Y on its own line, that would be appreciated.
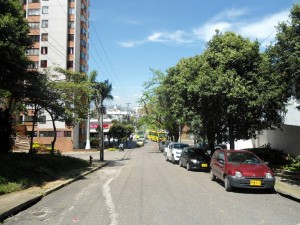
column 37, row 197
column 49, row 191
column 20, row 207
column 287, row 190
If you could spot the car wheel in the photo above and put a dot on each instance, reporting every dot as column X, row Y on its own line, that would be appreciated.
column 179, row 163
column 227, row 184
column 212, row 176
column 173, row 160
column 188, row 167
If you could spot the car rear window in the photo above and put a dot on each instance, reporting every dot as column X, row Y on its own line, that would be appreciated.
column 180, row 145
column 242, row 157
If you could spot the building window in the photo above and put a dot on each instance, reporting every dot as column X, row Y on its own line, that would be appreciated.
column 45, row 9
column 32, row 51
column 46, row 133
column 71, row 0
column 67, row 133
column 71, row 37
column 43, row 63
column 70, row 64
column 83, row 68
column 83, row 19
column 33, row 12
column 83, row 43
column 42, row 119
column 44, row 37
column 34, row 25
column 33, row 65
column 35, row 38
column 71, row 11
column 83, row 55
column 33, row 1
column 70, row 50
column 44, row 23
column 44, row 50
column 83, row 32
column 71, row 24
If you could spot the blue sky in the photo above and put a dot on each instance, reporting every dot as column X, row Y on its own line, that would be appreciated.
column 129, row 37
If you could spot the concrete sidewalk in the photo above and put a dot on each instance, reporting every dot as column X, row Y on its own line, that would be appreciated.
column 288, row 187
column 15, row 202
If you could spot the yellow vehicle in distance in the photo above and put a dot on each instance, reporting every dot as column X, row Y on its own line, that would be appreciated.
column 157, row 136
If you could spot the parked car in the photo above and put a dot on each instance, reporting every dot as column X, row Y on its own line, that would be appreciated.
column 241, row 169
column 194, row 158
column 161, row 145
column 174, row 150
column 166, row 147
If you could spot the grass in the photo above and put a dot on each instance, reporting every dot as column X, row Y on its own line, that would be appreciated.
column 21, row 170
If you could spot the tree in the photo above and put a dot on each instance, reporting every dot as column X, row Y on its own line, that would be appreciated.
column 283, row 54
column 100, row 92
column 14, row 41
column 248, row 99
column 121, row 131
column 69, row 97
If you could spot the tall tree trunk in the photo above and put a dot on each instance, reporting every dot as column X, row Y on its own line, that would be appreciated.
column 32, row 129
column 55, row 133
column 231, row 134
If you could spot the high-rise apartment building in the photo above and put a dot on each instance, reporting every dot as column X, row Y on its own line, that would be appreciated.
column 59, row 30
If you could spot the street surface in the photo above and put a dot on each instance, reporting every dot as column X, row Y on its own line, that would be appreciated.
column 139, row 187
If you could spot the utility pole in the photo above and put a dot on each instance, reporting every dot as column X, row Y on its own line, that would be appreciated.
column 128, row 103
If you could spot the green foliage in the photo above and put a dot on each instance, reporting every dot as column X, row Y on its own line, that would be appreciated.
column 121, row 131
column 294, row 166
column 20, row 170
column 284, row 53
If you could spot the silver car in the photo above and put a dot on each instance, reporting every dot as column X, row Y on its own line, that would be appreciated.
column 174, row 150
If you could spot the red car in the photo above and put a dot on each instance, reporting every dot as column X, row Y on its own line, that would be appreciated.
column 242, row 169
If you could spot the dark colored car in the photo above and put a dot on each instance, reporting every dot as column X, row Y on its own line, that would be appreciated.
column 194, row 158
column 161, row 146
column 241, row 169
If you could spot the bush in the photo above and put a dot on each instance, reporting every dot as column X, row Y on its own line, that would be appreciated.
column 273, row 156
column 294, row 166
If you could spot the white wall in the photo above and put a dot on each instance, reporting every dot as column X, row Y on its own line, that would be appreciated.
column 286, row 139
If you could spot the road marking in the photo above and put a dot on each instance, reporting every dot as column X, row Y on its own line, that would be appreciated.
column 108, row 197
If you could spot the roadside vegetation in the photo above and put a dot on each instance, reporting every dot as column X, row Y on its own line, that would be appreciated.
column 233, row 90
column 19, row 171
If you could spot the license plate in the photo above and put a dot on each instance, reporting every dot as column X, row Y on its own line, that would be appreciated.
column 255, row 182
column 204, row 165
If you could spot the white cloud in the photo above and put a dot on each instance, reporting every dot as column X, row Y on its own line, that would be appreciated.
column 261, row 29
column 227, row 20
column 130, row 44
column 230, row 14
column 206, row 31
column 177, row 37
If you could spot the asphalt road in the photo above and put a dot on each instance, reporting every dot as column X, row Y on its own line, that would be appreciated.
column 139, row 187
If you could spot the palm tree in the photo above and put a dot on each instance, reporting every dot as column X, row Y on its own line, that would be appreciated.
column 101, row 92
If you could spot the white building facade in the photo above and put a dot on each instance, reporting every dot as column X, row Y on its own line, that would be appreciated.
column 59, row 30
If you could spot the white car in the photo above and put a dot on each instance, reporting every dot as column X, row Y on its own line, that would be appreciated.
column 173, row 151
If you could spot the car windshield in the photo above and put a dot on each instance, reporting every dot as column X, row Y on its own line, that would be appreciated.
column 180, row 145
column 242, row 157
